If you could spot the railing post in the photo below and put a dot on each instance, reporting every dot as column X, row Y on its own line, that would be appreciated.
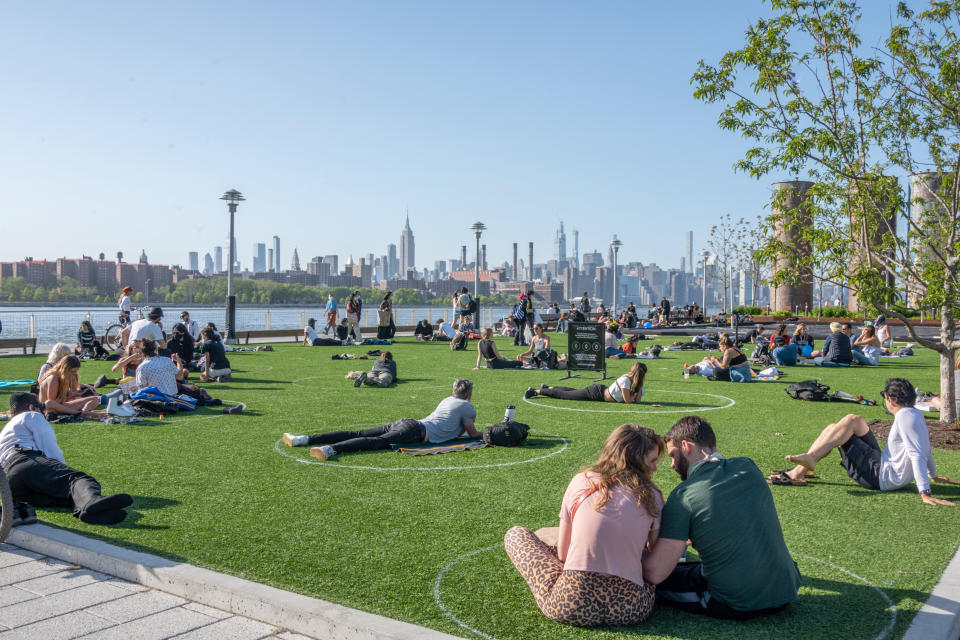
column 266, row 320
column 33, row 326
column 430, row 316
column 303, row 318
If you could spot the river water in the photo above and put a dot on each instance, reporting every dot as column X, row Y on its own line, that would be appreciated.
column 60, row 324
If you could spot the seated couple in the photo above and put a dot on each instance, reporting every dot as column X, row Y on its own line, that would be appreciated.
column 839, row 351
column 487, row 350
column 732, row 366
column 312, row 339
column 452, row 417
column 619, row 545
column 628, row 389
column 907, row 457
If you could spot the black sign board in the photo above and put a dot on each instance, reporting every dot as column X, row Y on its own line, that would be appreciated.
column 585, row 350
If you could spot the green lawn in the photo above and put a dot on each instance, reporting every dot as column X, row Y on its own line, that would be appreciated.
column 392, row 534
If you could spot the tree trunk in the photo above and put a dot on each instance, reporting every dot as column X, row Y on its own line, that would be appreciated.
column 948, row 409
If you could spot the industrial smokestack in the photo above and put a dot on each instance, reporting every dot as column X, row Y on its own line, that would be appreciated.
column 463, row 256
column 515, row 273
column 530, row 264
column 483, row 254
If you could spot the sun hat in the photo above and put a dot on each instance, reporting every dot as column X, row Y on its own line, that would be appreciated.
column 127, row 289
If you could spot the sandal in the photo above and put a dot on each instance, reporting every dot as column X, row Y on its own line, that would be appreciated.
column 783, row 480
column 807, row 474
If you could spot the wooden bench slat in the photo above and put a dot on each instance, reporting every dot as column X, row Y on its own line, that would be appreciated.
column 13, row 343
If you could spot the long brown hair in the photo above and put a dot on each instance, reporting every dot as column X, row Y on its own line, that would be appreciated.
column 621, row 461
column 67, row 379
column 637, row 373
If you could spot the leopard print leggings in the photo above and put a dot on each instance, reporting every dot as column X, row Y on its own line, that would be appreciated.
column 578, row 598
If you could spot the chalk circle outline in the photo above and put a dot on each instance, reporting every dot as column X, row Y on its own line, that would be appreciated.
column 438, row 586
column 730, row 403
column 279, row 447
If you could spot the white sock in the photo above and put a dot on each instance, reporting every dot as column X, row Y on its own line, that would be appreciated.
column 328, row 451
column 296, row 441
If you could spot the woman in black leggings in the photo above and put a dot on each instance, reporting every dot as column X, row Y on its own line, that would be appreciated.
column 628, row 389
column 487, row 350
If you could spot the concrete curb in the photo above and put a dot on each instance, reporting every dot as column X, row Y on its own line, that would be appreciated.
column 939, row 617
column 302, row 614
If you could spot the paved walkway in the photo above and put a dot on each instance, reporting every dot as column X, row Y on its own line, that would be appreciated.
column 41, row 597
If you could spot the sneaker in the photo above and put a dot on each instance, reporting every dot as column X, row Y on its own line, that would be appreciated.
column 543, row 385
column 530, row 392
column 294, row 441
column 323, row 453
column 101, row 381
column 27, row 513
column 360, row 379
column 237, row 408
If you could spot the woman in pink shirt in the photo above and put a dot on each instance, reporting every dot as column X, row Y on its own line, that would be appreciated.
column 610, row 515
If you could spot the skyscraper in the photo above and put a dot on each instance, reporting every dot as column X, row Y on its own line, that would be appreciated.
column 295, row 262
column 194, row 257
column 259, row 257
column 207, row 265
column 271, row 265
column 407, row 254
column 560, row 244
column 576, row 249
column 393, row 265
column 218, row 259
column 690, row 251
column 276, row 254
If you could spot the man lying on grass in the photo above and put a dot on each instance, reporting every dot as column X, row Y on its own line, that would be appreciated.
column 452, row 417
column 726, row 511
column 907, row 458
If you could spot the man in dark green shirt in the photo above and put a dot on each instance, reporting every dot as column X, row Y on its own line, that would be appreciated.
column 725, row 509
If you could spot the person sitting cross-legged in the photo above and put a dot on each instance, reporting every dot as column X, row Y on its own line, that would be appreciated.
column 38, row 473
column 907, row 457
column 452, row 417
column 382, row 374
column 487, row 352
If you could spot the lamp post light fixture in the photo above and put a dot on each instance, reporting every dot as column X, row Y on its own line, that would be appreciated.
column 233, row 198
column 615, row 244
column 478, row 229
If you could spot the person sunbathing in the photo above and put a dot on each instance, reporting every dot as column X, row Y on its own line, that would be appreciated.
column 627, row 389
column 907, row 457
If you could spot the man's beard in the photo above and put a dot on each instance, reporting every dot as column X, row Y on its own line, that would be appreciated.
column 682, row 467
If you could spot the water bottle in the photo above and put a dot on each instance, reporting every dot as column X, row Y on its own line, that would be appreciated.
column 509, row 413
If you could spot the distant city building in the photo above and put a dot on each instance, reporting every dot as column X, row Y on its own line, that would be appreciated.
column 407, row 250
column 591, row 262
column 689, row 251
column 276, row 254
column 143, row 256
column 295, row 262
column 207, row 265
column 218, row 259
column 333, row 260
column 576, row 249
column 259, row 257
column 194, row 260
column 560, row 245
column 393, row 264
column 271, row 266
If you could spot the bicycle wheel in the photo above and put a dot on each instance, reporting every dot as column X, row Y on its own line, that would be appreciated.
column 111, row 337
column 6, row 503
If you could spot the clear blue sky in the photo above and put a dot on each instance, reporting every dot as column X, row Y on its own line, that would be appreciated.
column 122, row 123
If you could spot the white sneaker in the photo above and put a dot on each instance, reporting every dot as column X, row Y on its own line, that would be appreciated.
column 323, row 453
column 294, row 441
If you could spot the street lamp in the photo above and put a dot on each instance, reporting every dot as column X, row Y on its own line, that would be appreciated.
column 615, row 244
column 478, row 228
column 233, row 198
column 704, row 255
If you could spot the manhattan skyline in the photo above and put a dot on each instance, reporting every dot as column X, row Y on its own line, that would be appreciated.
column 334, row 120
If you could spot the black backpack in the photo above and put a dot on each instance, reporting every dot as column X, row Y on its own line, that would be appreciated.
column 761, row 354
column 546, row 358
column 577, row 316
column 506, row 434
column 809, row 390
column 460, row 342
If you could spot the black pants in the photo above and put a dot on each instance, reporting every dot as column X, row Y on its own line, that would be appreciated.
column 47, row 482
column 686, row 589
column 593, row 392
column 519, row 338
column 503, row 363
column 402, row 431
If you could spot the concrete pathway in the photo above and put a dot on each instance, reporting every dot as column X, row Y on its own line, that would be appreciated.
column 41, row 597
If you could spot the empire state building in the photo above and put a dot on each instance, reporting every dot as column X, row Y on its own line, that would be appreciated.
column 407, row 256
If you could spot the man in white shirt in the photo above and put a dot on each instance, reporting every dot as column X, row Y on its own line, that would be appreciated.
column 192, row 327
column 907, row 457
column 148, row 328
column 39, row 475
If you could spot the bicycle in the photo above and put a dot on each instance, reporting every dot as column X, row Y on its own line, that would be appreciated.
column 111, row 337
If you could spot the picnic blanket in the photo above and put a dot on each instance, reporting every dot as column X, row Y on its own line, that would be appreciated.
column 429, row 448
column 4, row 384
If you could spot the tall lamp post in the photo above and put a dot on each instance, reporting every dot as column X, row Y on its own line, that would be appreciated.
column 478, row 228
column 233, row 198
column 615, row 245
column 704, row 255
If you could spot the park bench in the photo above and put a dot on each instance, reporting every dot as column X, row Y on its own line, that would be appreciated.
column 19, row 343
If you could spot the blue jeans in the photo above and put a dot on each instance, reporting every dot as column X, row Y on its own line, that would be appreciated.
column 741, row 373
column 402, row 431
column 615, row 352
column 785, row 355
column 862, row 358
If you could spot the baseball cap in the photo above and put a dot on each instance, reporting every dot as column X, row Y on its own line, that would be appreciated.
column 156, row 312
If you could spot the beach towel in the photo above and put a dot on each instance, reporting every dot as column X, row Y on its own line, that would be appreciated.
column 5, row 384
column 428, row 448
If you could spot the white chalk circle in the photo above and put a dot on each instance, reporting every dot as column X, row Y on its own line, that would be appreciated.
column 730, row 402
column 280, row 447
column 438, row 588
